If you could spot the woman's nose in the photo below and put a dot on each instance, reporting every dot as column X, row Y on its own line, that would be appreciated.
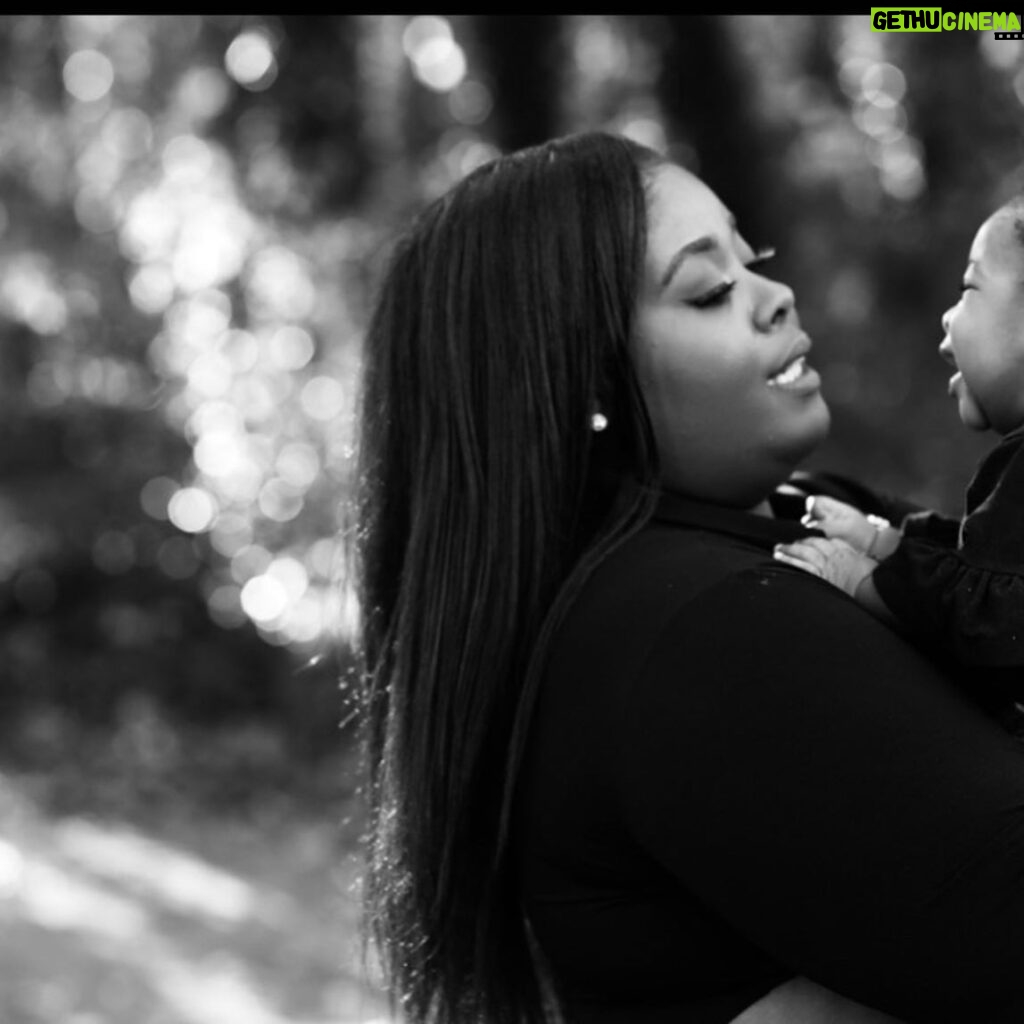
column 778, row 304
column 946, row 317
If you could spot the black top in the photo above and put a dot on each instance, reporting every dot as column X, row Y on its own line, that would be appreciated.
column 737, row 775
column 960, row 584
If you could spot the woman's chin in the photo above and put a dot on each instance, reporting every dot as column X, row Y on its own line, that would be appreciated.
column 817, row 420
column 824, row 418
column 805, row 435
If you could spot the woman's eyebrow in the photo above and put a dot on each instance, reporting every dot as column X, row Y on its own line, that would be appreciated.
column 706, row 243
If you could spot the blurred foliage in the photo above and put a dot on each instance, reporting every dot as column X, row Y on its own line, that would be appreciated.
column 193, row 209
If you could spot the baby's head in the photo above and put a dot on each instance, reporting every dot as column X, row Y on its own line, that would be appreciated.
column 984, row 331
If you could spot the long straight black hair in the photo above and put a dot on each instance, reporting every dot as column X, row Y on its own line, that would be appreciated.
column 503, row 324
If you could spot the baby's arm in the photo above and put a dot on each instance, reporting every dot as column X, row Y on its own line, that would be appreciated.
column 872, row 535
column 839, row 563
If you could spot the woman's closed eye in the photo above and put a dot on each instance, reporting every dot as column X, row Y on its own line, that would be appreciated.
column 719, row 294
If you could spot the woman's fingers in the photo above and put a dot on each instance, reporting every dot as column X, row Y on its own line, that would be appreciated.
column 803, row 555
column 834, row 561
column 812, row 554
column 799, row 563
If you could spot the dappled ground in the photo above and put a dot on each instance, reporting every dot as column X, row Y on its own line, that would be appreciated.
column 134, row 893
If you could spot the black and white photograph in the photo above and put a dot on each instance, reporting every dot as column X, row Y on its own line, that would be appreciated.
column 512, row 519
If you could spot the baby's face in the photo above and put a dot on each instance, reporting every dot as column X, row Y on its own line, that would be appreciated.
column 984, row 331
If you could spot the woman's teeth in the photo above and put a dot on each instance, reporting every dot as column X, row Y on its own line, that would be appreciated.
column 790, row 373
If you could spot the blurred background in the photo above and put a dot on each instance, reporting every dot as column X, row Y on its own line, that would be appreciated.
column 193, row 213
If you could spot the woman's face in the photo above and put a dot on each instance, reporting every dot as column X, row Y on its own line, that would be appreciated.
column 984, row 331
column 721, row 356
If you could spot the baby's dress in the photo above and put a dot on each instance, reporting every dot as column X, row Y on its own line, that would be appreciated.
column 960, row 583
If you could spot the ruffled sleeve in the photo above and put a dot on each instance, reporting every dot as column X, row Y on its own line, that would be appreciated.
column 932, row 528
column 962, row 585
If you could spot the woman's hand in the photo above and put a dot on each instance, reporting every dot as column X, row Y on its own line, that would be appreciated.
column 835, row 561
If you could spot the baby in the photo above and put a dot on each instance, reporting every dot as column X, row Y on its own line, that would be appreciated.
column 956, row 583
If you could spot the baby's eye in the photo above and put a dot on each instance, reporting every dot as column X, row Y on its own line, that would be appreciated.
column 718, row 296
column 762, row 255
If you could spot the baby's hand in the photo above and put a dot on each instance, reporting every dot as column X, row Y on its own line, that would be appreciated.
column 835, row 561
column 840, row 521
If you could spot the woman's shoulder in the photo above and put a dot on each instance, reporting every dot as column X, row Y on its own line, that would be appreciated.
column 689, row 545
column 667, row 576
column 664, row 566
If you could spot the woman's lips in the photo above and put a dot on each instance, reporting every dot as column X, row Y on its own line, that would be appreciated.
column 797, row 375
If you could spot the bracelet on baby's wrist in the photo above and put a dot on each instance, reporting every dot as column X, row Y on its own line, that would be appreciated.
column 879, row 523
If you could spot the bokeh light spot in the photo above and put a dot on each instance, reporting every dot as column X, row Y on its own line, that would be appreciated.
column 225, row 606
column 231, row 532
column 156, row 495
column 440, row 64
column 323, row 398
column 470, row 103
column 88, row 75
column 883, row 84
column 192, row 509
column 204, row 92
column 280, row 501
column 127, row 133
column 251, row 561
column 264, row 598
column 250, row 60
column 290, row 347
column 279, row 284
column 422, row 30
column 151, row 289
column 298, row 464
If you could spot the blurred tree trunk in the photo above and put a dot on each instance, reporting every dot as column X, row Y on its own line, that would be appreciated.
column 523, row 55
column 384, row 98
column 950, row 83
column 705, row 95
column 319, row 91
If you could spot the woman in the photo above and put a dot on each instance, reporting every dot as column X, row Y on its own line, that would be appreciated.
column 624, row 766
